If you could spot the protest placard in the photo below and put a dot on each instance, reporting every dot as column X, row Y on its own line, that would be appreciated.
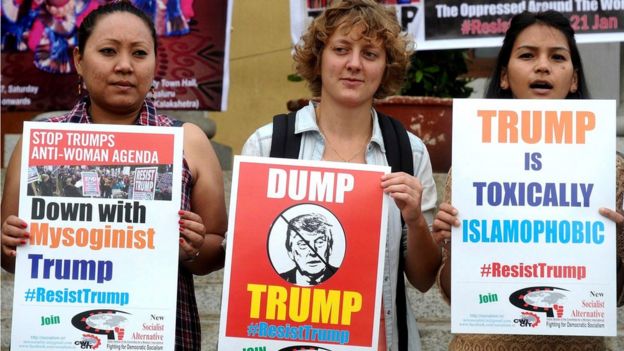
column 90, row 183
column 532, row 254
column 144, row 183
column 304, row 259
column 97, row 272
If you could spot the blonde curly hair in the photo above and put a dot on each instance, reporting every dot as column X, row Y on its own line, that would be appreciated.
column 377, row 22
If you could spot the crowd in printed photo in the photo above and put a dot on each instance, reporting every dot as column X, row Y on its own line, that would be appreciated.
column 112, row 182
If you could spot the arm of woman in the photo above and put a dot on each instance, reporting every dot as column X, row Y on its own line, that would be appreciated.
column 204, row 227
column 14, row 230
column 416, row 196
column 446, row 218
column 423, row 257
column 617, row 216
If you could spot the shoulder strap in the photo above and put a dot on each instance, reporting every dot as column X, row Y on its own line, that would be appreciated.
column 396, row 141
column 400, row 158
column 176, row 122
column 285, row 143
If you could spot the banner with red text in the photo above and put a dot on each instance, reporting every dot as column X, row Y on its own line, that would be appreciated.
column 304, row 257
column 38, row 39
column 479, row 23
column 100, row 268
column 532, row 255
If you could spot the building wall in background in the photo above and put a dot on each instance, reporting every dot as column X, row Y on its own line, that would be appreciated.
column 260, row 61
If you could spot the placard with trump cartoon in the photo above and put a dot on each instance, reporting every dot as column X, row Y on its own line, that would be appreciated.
column 304, row 255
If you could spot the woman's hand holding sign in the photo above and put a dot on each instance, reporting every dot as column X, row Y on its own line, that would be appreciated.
column 192, row 234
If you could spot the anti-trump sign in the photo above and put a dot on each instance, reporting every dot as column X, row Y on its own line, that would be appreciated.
column 532, row 254
column 99, row 270
column 304, row 256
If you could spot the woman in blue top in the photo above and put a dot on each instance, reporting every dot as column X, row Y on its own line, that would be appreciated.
column 352, row 53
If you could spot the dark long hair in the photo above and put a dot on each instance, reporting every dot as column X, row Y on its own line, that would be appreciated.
column 519, row 23
column 89, row 22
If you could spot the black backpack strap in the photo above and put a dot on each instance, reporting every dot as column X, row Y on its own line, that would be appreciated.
column 397, row 144
column 285, row 143
column 176, row 122
column 400, row 158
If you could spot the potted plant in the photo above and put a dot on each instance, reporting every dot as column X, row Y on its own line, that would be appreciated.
column 424, row 105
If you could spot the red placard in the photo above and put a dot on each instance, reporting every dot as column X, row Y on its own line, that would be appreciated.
column 267, row 294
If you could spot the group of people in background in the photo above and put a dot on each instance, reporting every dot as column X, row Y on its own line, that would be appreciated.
column 351, row 54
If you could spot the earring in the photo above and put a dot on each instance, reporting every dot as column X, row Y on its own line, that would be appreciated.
column 79, row 85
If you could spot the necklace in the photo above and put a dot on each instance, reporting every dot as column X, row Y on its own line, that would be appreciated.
column 343, row 159
column 333, row 149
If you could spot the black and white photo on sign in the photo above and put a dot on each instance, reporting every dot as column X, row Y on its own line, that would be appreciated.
column 306, row 244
